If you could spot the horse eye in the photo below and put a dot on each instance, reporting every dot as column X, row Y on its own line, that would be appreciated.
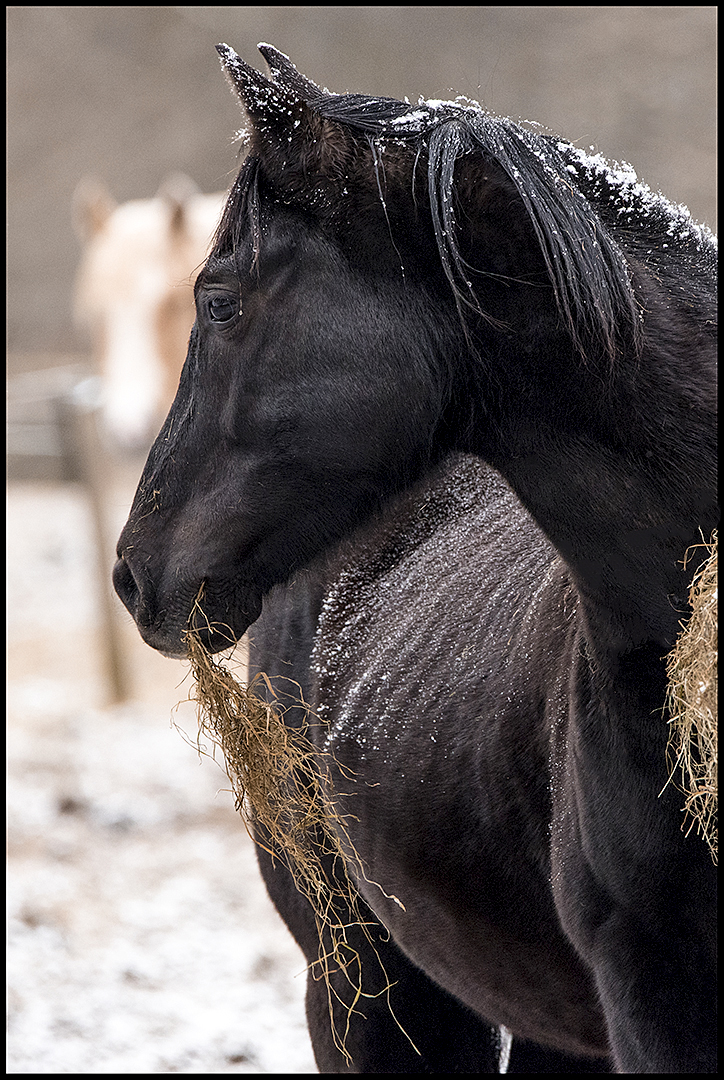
column 223, row 309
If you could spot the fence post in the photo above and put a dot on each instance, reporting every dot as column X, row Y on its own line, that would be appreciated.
column 87, row 462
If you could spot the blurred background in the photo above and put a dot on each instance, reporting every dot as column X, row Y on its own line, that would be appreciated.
column 141, row 937
column 132, row 93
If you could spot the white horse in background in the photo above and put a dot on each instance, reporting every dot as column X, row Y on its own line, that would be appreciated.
column 134, row 294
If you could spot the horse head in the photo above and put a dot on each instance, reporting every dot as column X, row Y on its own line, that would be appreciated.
column 311, row 388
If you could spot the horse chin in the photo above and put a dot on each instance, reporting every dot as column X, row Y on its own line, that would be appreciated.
column 218, row 634
column 214, row 635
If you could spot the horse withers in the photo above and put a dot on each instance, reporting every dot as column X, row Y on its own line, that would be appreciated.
column 134, row 294
column 482, row 638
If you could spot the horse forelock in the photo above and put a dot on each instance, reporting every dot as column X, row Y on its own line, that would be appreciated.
column 241, row 214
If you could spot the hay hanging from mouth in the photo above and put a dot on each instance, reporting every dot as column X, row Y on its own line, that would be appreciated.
column 283, row 790
column 692, row 704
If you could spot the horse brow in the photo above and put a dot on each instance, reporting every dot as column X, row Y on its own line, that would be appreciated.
column 217, row 268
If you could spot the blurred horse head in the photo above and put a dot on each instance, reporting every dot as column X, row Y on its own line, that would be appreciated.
column 134, row 293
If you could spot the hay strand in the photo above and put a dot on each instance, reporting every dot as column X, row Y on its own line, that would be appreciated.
column 282, row 786
column 692, row 704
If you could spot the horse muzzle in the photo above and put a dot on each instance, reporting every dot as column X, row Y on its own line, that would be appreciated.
column 139, row 597
column 165, row 621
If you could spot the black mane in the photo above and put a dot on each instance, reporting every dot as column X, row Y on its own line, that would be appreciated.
column 591, row 217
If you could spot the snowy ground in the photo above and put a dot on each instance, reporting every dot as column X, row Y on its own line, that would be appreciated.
column 141, row 938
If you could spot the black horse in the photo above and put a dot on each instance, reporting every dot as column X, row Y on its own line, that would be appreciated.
column 391, row 285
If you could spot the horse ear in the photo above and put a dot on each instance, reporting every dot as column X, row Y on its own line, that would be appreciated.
column 273, row 108
column 91, row 207
column 291, row 140
column 177, row 190
column 283, row 71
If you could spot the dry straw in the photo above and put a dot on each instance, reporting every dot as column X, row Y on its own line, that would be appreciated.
column 283, row 789
column 692, row 703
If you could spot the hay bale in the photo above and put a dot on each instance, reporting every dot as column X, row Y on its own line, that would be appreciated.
column 692, row 704
column 283, row 790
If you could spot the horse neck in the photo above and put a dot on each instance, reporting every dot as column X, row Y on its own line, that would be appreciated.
column 620, row 477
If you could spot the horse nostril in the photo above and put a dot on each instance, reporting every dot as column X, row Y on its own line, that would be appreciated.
column 137, row 593
column 125, row 585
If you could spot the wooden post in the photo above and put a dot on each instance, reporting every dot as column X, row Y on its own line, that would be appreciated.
column 87, row 462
